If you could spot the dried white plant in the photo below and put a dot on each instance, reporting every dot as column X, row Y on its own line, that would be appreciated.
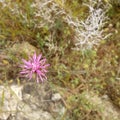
column 48, row 11
column 88, row 33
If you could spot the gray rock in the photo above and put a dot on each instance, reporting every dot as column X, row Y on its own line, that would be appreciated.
column 9, row 98
column 108, row 110
column 30, row 102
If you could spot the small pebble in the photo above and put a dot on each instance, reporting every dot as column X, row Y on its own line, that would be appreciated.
column 105, row 97
column 56, row 97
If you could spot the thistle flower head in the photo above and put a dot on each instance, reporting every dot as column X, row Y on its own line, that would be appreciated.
column 35, row 65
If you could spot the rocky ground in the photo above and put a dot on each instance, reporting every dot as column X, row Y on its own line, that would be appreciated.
column 22, row 100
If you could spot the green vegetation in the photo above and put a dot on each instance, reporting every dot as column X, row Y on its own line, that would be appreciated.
column 97, row 69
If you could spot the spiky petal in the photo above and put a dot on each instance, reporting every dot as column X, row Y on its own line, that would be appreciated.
column 35, row 65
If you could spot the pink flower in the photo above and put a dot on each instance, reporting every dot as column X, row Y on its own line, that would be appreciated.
column 35, row 65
